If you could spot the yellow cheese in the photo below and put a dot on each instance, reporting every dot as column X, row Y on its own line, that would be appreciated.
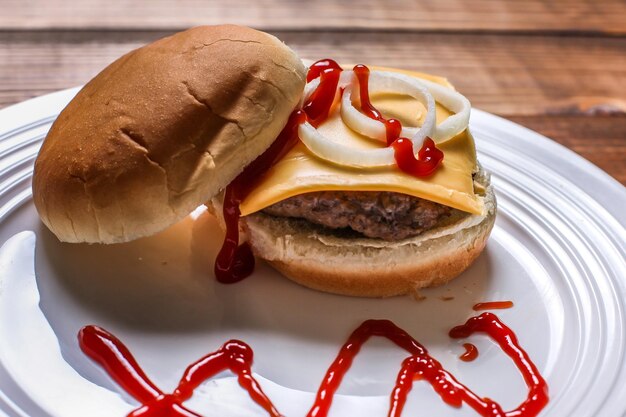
column 301, row 172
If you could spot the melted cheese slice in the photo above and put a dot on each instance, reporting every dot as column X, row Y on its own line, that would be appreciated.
column 302, row 172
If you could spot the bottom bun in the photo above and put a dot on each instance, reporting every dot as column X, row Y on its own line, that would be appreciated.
column 323, row 260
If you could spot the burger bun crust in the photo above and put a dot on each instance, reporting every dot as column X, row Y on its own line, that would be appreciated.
column 162, row 130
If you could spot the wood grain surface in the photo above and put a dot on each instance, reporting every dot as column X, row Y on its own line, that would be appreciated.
column 557, row 67
column 604, row 16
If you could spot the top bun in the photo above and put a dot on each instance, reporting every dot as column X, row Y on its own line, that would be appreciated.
column 163, row 129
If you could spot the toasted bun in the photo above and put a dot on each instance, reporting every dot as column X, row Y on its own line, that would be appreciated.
column 371, row 267
column 163, row 129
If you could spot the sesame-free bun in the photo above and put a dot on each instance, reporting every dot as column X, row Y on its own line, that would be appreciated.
column 163, row 129
column 366, row 267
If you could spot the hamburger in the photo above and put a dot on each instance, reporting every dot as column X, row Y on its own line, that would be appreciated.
column 186, row 120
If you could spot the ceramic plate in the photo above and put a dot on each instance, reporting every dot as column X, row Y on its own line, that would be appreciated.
column 557, row 251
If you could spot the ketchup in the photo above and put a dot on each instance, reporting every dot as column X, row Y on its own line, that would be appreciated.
column 471, row 352
column 493, row 305
column 393, row 126
column 537, row 398
column 429, row 156
column 323, row 65
column 235, row 262
column 236, row 356
column 116, row 359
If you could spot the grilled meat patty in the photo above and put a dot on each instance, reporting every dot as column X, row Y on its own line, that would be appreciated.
column 383, row 215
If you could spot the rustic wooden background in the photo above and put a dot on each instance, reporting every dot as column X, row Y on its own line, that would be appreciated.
column 557, row 67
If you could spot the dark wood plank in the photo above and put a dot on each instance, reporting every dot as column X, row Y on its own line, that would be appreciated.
column 506, row 75
column 607, row 16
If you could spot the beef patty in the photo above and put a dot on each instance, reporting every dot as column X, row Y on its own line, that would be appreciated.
column 384, row 215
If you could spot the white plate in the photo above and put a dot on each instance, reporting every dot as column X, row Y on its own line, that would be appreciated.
column 557, row 251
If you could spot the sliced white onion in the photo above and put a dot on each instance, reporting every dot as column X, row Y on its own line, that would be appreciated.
column 449, row 98
column 453, row 101
column 359, row 122
column 341, row 154
column 367, row 126
column 308, row 90
column 382, row 81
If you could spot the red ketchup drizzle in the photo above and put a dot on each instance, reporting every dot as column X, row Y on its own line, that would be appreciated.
column 471, row 352
column 429, row 156
column 323, row 65
column 235, row 262
column 115, row 358
column 493, row 305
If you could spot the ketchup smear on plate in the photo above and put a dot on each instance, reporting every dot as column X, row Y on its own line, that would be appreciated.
column 236, row 356
column 235, row 262
column 471, row 352
column 493, row 305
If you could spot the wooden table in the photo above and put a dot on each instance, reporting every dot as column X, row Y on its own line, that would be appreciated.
column 557, row 67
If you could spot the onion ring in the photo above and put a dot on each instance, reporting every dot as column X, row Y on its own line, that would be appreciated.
column 382, row 81
column 454, row 101
column 426, row 92
column 375, row 129
column 341, row 154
